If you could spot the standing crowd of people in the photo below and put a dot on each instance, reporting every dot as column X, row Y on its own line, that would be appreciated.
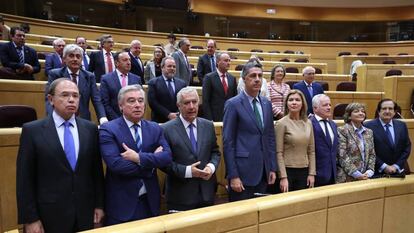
column 61, row 185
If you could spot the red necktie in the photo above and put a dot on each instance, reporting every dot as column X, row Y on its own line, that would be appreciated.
column 109, row 62
column 223, row 81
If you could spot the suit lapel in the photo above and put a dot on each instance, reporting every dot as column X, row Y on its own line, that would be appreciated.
column 128, row 139
column 381, row 131
column 334, row 131
column 355, row 137
column 319, row 130
column 200, row 136
column 217, row 82
column 249, row 110
column 182, row 132
column 83, row 139
column 396, row 128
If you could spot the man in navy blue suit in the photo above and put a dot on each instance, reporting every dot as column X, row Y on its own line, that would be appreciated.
column 207, row 62
column 102, row 62
column 326, row 140
column 137, row 66
column 392, row 143
column 19, row 61
column 111, row 84
column 308, row 87
column 54, row 60
column 249, row 138
column 132, row 149
column 162, row 92
column 72, row 56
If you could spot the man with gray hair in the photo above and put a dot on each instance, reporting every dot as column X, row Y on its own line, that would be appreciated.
column 184, row 71
column 132, row 149
column 326, row 140
column 54, row 60
column 137, row 66
column 249, row 138
column 308, row 87
column 191, row 180
column 162, row 92
column 102, row 62
column 207, row 62
column 85, row 80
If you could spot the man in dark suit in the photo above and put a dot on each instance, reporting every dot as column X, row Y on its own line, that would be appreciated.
column 81, row 42
column 137, row 66
column 391, row 139
column 102, row 62
column 72, row 56
column 132, row 149
column 249, row 138
column 162, row 92
column 183, row 67
column 207, row 62
column 218, row 87
column 326, row 140
column 308, row 87
column 111, row 84
column 191, row 180
column 59, row 180
column 54, row 60
column 19, row 61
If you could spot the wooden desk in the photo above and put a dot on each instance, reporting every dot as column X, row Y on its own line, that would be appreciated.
column 370, row 76
column 343, row 63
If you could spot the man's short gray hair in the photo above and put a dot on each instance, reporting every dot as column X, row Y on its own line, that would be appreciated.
column 307, row 68
column 130, row 88
column 248, row 66
column 72, row 48
column 58, row 40
column 184, row 91
column 316, row 100
column 135, row 42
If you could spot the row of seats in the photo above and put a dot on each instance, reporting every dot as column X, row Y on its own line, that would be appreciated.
column 367, row 54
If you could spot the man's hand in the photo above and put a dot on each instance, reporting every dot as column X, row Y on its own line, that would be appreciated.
column 130, row 154
column 207, row 173
column 363, row 177
column 390, row 169
column 195, row 172
column 28, row 68
column 34, row 227
column 284, row 185
column 98, row 217
column 172, row 115
column 103, row 120
column 237, row 185
column 272, row 178
column 159, row 149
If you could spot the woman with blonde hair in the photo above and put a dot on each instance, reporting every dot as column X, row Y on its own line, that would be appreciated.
column 277, row 90
column 295, row 145
column 153, row 67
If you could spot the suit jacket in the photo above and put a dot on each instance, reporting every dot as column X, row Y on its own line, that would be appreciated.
column 385, row 152
column 249, row 151
column 47, row 187
column 97, row 64
column 159, row 98
column 317, row 89
column 136, row 68
column 53, row 61
column 183, row 71
column 349, row 154
column 109, row 89
column 203, row 66
column 149, row 72
column 9, row 58
column 325, row 153
column 87, row 89
column 181, row 190
column 214, row 97
column 123, row 176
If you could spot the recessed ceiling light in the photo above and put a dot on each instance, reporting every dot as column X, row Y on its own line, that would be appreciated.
column 49, row 3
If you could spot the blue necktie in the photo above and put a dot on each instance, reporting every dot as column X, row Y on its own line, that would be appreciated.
column 192, row 138
column 327, row 134
column 137, row 137
column 310, row 90
column 388, row 133
column 20, row 54
column 213, row 64
column 69, row 145
column 85, row 62
column 170, row 88
column 257, row 114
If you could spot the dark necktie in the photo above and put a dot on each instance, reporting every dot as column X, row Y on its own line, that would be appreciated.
column 73, row 78
column 170, row 88
column 388, row 133
column 327, row 134
column 192, row 138
column 139, row 63
column 223, row 81
column 20, row 54
column 69, row 145
column 213, row 64
column 137, row 137
column 257, row 114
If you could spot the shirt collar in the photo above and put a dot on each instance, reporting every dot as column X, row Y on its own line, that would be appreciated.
column 130, row 123
column 186, row 123
column 119, row 73
column 220, row 74
column 250, row 98
column 15, row 46
column 361, row 130
column 383, row 123
column 70, row 72
column 318, row 118
column 166, row 79
column 59, row 120
column 307, row 84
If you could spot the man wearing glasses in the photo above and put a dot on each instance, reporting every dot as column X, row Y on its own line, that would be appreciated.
column 59, row 180
column 102, row 62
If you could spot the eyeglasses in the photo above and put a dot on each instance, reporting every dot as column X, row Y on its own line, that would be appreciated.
column 67, row 95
